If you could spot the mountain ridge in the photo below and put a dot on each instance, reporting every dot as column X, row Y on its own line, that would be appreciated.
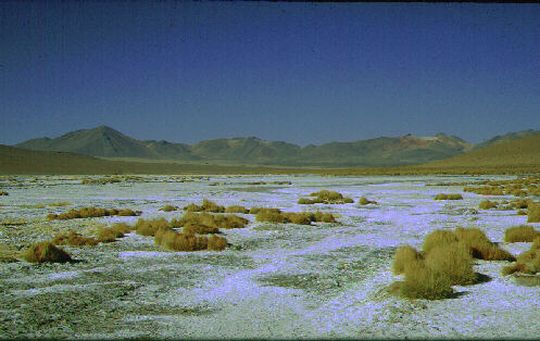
column 104, row 141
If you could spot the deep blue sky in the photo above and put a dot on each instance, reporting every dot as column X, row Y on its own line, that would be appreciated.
column 303, row 73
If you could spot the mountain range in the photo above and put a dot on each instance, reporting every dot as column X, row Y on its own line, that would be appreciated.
column 107, row 142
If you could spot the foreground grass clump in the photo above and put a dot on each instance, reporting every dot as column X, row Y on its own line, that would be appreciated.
column 405, row 255
column 533, row 214
column 522, row 233
column 73, row 238
column 527, row 263
column 174, row 241
column 46, row 252
column 438, row 238
column 146, row 227
column 206, row 206
column 423, row 282
column 325, row 197
column 89, row 212
column 237, row 209
column 443, row 196
column 275, row 215
column 169, row 208
column 487, row 204
column 480, row 246
column 226, row 221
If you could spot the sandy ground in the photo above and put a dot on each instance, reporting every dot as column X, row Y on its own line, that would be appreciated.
column 275, row 281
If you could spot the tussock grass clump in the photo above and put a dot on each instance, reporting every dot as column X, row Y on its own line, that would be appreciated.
column 226, row 221
column 199, row 229
column 404, row 255
column 146, row 227
column 454, row 261
column 533, row 214
column 74, row 239
column 365, row 201
column 325, row 197
column 236, row 209
column 423, row 282
column 520, row 203
column 521, row 233
column 443, row 196
column 169, row 208
column 488, row 190
column 110, row 234
column 438, row 238
column 174, row 241
column 275, row 215
column 487, row 204
column 527, row 263
column 480, row 246
column 206, row 206
column 46, row 252
column 88, row 212
column 3, row 193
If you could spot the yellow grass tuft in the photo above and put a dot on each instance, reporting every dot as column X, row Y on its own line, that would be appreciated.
column 326, row 197
column 236, row 209
column 521, row 233
column 480, row 246
column 404, row 255
column 533, row 212
column 74, row 239
column 442, row 196
column 46, row 252
column 88, row 212
column 487, row 204
column 150, row 227
column 206, row 206
column 438, row 238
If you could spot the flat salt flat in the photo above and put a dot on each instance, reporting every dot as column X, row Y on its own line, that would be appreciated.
column 274, row 281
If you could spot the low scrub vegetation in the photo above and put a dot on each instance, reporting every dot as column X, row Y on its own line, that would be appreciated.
column 89, row 212
column 527, row 263
column 275, row 215
column 521, row 233
column 3, row 193
column 101, row 181
column 110, row 234
column 443, row 196
column 175, row 241
column 365, row 201
column 46, row 252
column 206, row 206
column 487, row 205
column 226, row 221
column 445, row 260
column 533, row 214
column 169, row 208
column 149, row 227
column 237, row 209
column 325, row 197
column 73, row 238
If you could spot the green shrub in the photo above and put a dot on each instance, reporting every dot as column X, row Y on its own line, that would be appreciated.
column 169, row 208
column 87, row 212
column 207, row 206
column 480, row 246
column 404, row 255
column 323, row 217
column 442, row 196
column 533, row 213
column 46, row 252
column 74, row 239
column 365, row 201
column 487, row 204
column 438, row 238
column 522, row 233
column 236, row 209
column 150, row 227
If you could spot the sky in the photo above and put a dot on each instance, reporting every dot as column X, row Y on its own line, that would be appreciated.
column 296, row 72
